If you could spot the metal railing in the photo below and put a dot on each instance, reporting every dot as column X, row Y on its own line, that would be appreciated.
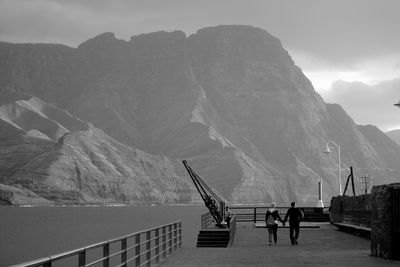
column 257, row 213
column 206, row 220
column 232, row 229
column 141, row 249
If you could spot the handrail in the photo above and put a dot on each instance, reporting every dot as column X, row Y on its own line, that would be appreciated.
column 206, row 220
column 170, row 236
column 232, row 229
column 254, row 214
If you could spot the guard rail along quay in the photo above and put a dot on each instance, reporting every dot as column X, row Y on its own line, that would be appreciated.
column 138, row 249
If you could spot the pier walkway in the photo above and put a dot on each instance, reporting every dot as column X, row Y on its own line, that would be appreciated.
column 324, row 246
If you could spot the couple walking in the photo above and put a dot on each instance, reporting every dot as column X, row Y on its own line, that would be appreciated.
column 271, row 220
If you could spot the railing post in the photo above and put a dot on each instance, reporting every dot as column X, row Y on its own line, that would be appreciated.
column 175, row 233
column 106, row 254
column 137, row 250
column 123, row 254
column 148, row 246
column 179, row 234
column 157, row 245
column 167, row 237
column 170, row 239
column 82, row 258
column 164, row 241
column 255, row 215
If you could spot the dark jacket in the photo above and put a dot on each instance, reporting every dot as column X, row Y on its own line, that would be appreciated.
column 274, row 213
column 294, row 214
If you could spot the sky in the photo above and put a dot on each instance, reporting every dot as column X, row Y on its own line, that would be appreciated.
column 349, row 49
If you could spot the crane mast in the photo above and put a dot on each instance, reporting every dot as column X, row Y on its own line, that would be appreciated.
column 214, row 203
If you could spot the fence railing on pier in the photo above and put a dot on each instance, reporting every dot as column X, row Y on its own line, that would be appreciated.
column 232, row 229
column 140, row 249
column 257, row 213
column 207, row 220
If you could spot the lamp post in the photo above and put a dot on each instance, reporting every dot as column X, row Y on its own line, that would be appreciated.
column 320, row 203
column 328, row 150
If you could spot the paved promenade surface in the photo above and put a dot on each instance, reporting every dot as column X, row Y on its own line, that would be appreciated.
column 324, row 246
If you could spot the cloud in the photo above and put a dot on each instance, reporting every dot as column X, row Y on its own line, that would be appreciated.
column 368, row 104
column 369, row 70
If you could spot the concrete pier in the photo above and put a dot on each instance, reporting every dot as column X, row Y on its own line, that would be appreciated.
column 324, row 246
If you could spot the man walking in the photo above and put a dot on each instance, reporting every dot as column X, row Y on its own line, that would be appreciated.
column 295, row 216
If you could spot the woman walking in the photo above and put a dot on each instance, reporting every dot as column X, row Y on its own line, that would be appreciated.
column 271, row 221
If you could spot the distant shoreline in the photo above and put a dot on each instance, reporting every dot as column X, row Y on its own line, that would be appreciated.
column 101, row 205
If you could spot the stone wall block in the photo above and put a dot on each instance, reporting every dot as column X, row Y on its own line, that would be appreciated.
column 381, row 222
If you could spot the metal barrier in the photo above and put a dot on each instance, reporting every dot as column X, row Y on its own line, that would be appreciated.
column 206, row 220
column 257, row 213
column 232, row 229
column 147, row 247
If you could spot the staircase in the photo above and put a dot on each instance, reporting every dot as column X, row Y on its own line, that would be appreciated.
column 213, row 238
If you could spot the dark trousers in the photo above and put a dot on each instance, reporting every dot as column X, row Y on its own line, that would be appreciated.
column 294, row 229
column 272, row 231
column 228, row 222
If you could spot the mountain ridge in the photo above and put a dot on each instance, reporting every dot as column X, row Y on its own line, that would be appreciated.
column 229, row 99
column 68, row 161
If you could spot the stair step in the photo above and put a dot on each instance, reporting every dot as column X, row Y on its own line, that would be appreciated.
column 213, row 241
column 206, row 238
column 214, row 246
column 214, row 234
column 213, row 238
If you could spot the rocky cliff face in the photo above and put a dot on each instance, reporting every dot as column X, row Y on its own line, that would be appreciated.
column 48, row 156
column 228, row 99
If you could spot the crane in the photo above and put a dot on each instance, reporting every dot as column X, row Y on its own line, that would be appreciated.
column 210, row 198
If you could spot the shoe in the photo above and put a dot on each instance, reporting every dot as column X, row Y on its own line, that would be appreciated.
column 295, row 241
column 269, row 244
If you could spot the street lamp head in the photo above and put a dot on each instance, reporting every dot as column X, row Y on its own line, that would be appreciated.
column 397, row 104
column 327, row 150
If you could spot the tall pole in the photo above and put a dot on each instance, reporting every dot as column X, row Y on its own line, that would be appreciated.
column 339, row 171
column 320, row 203
column 339, row 163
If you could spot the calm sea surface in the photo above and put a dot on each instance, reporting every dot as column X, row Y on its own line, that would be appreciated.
column 35, row 232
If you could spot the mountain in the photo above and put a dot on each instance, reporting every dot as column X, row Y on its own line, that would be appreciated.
column 50, row 157
column 394, row 135
column 228, row 99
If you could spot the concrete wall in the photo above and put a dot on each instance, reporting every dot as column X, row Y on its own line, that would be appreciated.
column 336, row 209
column 384, row 206
column 384, row 241
column 350, row 206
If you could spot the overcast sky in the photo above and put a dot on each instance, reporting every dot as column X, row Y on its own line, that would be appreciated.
column 348, row 40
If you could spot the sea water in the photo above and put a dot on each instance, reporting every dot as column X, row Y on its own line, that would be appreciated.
column 33, row 232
